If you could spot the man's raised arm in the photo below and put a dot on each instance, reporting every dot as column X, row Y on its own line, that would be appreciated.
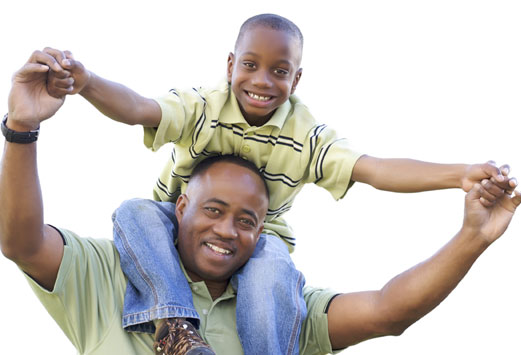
column 356, row 317
column 24, row 238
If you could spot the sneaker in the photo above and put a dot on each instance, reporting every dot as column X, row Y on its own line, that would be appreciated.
column 177, row 336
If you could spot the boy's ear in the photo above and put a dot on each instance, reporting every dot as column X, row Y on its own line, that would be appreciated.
column 229, row 70
column 296, row 80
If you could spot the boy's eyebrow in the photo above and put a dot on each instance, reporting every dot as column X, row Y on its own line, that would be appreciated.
column 244, row 210
column 253, row 54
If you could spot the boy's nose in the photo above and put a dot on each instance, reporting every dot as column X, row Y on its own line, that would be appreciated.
column 261, row 79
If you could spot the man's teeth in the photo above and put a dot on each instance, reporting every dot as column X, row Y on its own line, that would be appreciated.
column 257, row 97
column 217, row 249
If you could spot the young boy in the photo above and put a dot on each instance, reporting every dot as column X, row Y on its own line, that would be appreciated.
column 255, row 116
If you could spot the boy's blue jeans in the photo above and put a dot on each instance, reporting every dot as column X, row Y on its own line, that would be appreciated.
column 270, row 306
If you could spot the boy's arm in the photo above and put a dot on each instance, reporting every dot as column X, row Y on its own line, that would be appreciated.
column 355, row 317
column 112, row 99
column 408, row 175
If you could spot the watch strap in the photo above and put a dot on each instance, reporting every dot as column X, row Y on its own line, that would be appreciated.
column 18, row 137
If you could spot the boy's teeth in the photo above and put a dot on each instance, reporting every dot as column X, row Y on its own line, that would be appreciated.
column 257, row 97
column 217, row 249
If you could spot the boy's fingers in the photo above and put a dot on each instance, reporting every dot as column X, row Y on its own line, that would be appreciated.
column 69, row 55
column 491, row 170
column 63, row 83
column 492, row 188
column 505, row 169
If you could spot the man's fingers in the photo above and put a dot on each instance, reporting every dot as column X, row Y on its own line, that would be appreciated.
column 492, row 188
column 59, row 56
column 486, row 195
column 45, row 59
column 516, row 200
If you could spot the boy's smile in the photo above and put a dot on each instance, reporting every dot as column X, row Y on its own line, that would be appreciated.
column 264, row 71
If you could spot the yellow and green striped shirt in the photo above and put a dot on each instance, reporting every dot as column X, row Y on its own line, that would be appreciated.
column 290, row 150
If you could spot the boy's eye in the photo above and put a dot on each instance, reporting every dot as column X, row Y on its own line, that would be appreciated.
column 249, row 65
column 281, row 71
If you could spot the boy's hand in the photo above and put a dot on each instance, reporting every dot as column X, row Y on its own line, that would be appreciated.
column 497, row 181
column 71, row 80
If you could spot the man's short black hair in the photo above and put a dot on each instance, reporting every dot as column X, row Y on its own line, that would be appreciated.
column 205, row 164
column 272, row 21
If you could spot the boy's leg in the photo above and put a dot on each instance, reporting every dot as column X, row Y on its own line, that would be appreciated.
column 144, row 232
column 270, row 305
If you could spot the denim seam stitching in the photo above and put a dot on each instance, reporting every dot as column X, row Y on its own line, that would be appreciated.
column 295, row 329
column 135, row 259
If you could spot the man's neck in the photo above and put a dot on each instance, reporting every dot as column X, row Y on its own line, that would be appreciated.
column 216, row 288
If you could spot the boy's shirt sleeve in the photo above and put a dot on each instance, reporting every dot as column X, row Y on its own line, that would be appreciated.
column 180, row 111
column 332, row 161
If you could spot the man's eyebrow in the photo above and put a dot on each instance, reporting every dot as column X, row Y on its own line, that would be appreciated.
column 244, row 210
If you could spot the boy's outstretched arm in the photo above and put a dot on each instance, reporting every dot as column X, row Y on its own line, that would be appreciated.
column 408, row 175
column 355, row 317
column 112, row 99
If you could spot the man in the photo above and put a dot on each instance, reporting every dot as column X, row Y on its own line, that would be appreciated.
column 220, row 218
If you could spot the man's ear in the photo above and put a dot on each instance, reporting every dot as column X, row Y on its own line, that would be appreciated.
column 180, row 205
column 259, row 232
column 229, row 67
column 296, row 80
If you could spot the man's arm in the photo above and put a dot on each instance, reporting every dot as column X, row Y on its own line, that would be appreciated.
column 356, row 317
column 24, row 238
column 112, row 99
column 408, row 175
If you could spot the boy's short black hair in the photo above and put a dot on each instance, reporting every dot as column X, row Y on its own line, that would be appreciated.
column 205, row 164
column 272, row 21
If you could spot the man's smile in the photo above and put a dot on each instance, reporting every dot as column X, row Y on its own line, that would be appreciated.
column 218, row 250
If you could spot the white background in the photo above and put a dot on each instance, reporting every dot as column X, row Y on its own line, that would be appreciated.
column 432, row 80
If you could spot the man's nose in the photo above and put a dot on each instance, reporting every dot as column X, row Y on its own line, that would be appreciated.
column 261, row 79
column 225, row 228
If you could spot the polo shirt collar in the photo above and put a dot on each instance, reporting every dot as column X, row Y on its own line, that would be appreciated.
column 231, row 113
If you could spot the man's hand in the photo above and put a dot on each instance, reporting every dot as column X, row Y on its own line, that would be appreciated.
column 29, row 101
column 489, row 222
column 69, row 81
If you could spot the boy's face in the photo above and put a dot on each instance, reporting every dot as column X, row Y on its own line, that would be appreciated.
column 263, row 72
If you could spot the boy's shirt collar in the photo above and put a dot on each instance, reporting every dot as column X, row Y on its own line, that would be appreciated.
column 231, row 113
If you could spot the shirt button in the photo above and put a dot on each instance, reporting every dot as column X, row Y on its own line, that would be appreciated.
column 205, row 311
column 251, row 133
column 195, row 288
column 246, row 149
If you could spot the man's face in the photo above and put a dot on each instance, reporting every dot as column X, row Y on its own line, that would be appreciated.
column 220, row 220
column 264, row 72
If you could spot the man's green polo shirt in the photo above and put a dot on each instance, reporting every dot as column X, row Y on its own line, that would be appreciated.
column 87, row 303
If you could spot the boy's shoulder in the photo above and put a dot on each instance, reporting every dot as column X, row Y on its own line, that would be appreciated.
column 299, row 116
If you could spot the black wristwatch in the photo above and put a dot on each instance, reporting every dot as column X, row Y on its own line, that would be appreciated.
column 18, row 137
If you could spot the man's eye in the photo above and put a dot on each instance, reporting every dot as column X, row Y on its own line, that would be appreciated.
column 212, row 210
column 247, row 221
